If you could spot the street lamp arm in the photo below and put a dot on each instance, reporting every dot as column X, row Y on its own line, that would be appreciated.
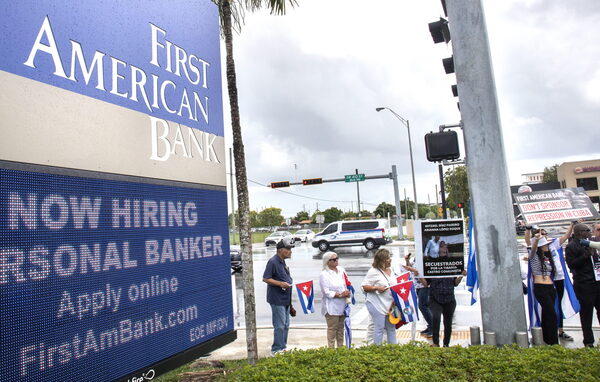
column 404, row 121
column 412, row 166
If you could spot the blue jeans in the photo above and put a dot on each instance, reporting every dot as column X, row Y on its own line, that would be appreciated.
column 423, row 295
column 281, row 326
column 381, row 323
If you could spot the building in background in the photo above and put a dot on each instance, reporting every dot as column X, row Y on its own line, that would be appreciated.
column 533, row 178
column 584, row 174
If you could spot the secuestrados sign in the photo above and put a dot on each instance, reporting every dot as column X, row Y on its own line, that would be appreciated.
column 114, row 250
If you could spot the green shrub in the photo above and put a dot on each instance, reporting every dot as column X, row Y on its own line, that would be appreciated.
column 419, row 362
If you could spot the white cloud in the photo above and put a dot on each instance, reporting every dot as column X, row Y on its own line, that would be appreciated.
column 309, row 81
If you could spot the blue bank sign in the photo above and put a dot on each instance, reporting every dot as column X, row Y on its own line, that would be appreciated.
column 114, row 250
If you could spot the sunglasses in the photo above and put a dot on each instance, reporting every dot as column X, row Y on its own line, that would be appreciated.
column 336, row 259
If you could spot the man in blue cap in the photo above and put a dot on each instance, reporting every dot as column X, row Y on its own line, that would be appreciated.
column 279, row 293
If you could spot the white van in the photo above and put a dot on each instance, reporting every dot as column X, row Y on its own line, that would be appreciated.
column 370, row 233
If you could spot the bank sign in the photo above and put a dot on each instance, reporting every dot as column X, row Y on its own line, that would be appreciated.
column 114, row 249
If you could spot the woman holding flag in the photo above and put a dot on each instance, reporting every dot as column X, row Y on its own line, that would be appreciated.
column 335, row 293
column 543, row 268
column 376, row 285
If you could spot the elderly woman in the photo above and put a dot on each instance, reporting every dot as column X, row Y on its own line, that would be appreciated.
column 376, row 285
column 333, row 286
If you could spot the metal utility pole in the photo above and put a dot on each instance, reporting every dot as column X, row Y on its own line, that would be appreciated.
column 412, row 166
column 232, row 193
column 358, row 194
column 442, row 192
column 502, row 307
column 397, row 200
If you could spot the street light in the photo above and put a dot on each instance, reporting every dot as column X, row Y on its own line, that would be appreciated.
column 412, row 167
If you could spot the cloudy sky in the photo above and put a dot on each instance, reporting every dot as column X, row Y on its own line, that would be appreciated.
column 309, row 83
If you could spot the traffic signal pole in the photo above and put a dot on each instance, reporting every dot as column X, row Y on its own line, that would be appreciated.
column 392, row 175
column 502, row 307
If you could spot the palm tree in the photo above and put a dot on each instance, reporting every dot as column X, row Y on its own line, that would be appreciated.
column 232, row 13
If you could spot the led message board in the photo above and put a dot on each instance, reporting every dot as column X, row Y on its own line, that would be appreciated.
column 114, row 248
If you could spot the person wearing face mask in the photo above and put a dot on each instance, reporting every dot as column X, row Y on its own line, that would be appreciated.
column 585, row 266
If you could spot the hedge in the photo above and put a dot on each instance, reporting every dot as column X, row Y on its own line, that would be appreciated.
column 419, row 362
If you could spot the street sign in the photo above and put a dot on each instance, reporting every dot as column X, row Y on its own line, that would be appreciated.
column 320, row 219
column 354, row 178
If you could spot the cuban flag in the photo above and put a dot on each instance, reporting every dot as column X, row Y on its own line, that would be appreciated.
column 569, row 303
column 349, row 287
column 404, row 277
column 472, row 277
column 534, row 308
column 405, row 297
column 306, row 296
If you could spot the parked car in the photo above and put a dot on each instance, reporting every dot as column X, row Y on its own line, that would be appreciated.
column 236, row 259
column 370, row 233
column 276, row 237
column 304, row 235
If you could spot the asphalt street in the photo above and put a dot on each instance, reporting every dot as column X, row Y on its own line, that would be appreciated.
column 306, row 264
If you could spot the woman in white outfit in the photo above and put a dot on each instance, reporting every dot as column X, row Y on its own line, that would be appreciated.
column 379, row 300
column 333, row 287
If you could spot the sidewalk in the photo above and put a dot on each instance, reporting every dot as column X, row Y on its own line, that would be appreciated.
column 309, row 337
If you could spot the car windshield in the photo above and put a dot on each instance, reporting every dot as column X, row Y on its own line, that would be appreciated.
column 277, row 234
column 301, row 232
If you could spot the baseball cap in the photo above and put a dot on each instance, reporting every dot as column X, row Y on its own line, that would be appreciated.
column 286, row 242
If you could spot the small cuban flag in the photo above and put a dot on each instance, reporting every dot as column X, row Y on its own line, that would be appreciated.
column 306, row 296
column 404, row 277
column 349, row 287
column 472, row 276
column 405, row 298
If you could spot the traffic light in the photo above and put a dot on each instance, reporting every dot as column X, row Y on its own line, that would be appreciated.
column 442, row 146
column 440, row 32
column 307, row 182
column 280, row 184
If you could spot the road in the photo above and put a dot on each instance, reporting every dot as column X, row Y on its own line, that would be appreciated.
column 306, row 264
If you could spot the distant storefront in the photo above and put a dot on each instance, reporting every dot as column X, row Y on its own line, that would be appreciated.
column 584, row 174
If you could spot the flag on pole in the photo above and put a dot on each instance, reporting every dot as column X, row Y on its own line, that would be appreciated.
column 570, row 304
column 405, row 297
column 349, row 287
column 403, row 277
column 306, row 296
column 472, row 277
column 347, row 326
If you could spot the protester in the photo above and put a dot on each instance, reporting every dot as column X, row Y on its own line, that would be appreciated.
column 582, row 261
column 422, row 295
column 335, row 293
column 442, row 301
column 379, row 299
column 543, row 267
column 432, row 249
column 596, row 233
column 559, row 272
column 279, row 293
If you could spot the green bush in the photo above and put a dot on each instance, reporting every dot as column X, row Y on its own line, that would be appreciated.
column 419, row 362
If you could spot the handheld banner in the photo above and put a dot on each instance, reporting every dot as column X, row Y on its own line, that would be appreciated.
column 440, row 247
column 568, row 204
